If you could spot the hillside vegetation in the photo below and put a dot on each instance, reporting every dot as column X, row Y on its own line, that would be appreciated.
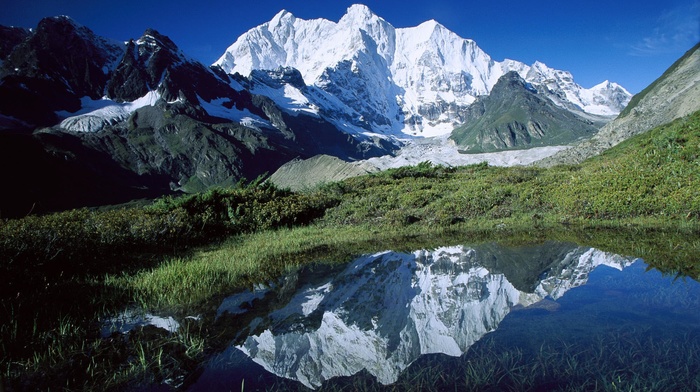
column 654, row 175
column 63, row 271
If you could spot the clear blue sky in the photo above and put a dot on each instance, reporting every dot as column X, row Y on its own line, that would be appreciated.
column 628, row 42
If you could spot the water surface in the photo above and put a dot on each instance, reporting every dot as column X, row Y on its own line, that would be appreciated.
column 546, row 317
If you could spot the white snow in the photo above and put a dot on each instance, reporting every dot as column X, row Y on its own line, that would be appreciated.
column 245, row 117
column 94, row 115
column 389, row 75
column 288, row 98
column 233, row 304
column 304, row 303
column 128, row 320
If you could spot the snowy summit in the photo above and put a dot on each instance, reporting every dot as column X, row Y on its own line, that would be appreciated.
column 370, row 77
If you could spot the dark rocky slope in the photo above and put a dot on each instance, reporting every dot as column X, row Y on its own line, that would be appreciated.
column 69, row 157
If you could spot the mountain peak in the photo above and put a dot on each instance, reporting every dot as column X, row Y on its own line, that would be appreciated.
column 412, row 80
column 280, row 17
column 511, row 77
column 63, row 25
column 359, row 15
column 152, row 37
column 515, row 116
column 430, row 24
column 540, row 66
column 60, row 19
column 359, row 10
column 608, row 85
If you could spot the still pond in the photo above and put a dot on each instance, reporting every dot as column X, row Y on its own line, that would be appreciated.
column 554, row 316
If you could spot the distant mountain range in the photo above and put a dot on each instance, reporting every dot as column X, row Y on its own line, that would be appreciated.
column 515, row 115
column 89, row 121
column 505, row 122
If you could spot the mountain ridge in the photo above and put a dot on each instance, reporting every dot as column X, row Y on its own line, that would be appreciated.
column 151, row 115
column 674, row 94
column 432, row 72
column 140, row 102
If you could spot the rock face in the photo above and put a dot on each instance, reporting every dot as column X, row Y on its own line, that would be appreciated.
column 385, row 310
column 9, row 38
column 367, row 76
column 51, row 68
column 675, row 94
column 514, row 115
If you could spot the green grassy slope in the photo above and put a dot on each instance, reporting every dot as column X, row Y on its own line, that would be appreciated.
column 652, row 175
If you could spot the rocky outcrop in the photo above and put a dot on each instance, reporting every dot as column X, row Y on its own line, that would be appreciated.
column 675, row 94
column 9, row 38
column 52, row 68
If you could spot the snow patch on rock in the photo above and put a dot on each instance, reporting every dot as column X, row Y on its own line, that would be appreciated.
column 95, row 115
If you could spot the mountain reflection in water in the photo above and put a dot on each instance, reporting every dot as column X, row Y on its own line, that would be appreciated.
column 383, row 311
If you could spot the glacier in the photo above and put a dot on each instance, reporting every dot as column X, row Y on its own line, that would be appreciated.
column 95, row 115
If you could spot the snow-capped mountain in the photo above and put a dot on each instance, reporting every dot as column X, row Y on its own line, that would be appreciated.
column 290, row 88
column 605, row 99
column 385, row 310
column 141, row 118
column 367, row 76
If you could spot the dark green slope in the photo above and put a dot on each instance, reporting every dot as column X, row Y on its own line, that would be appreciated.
column 514, row 116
